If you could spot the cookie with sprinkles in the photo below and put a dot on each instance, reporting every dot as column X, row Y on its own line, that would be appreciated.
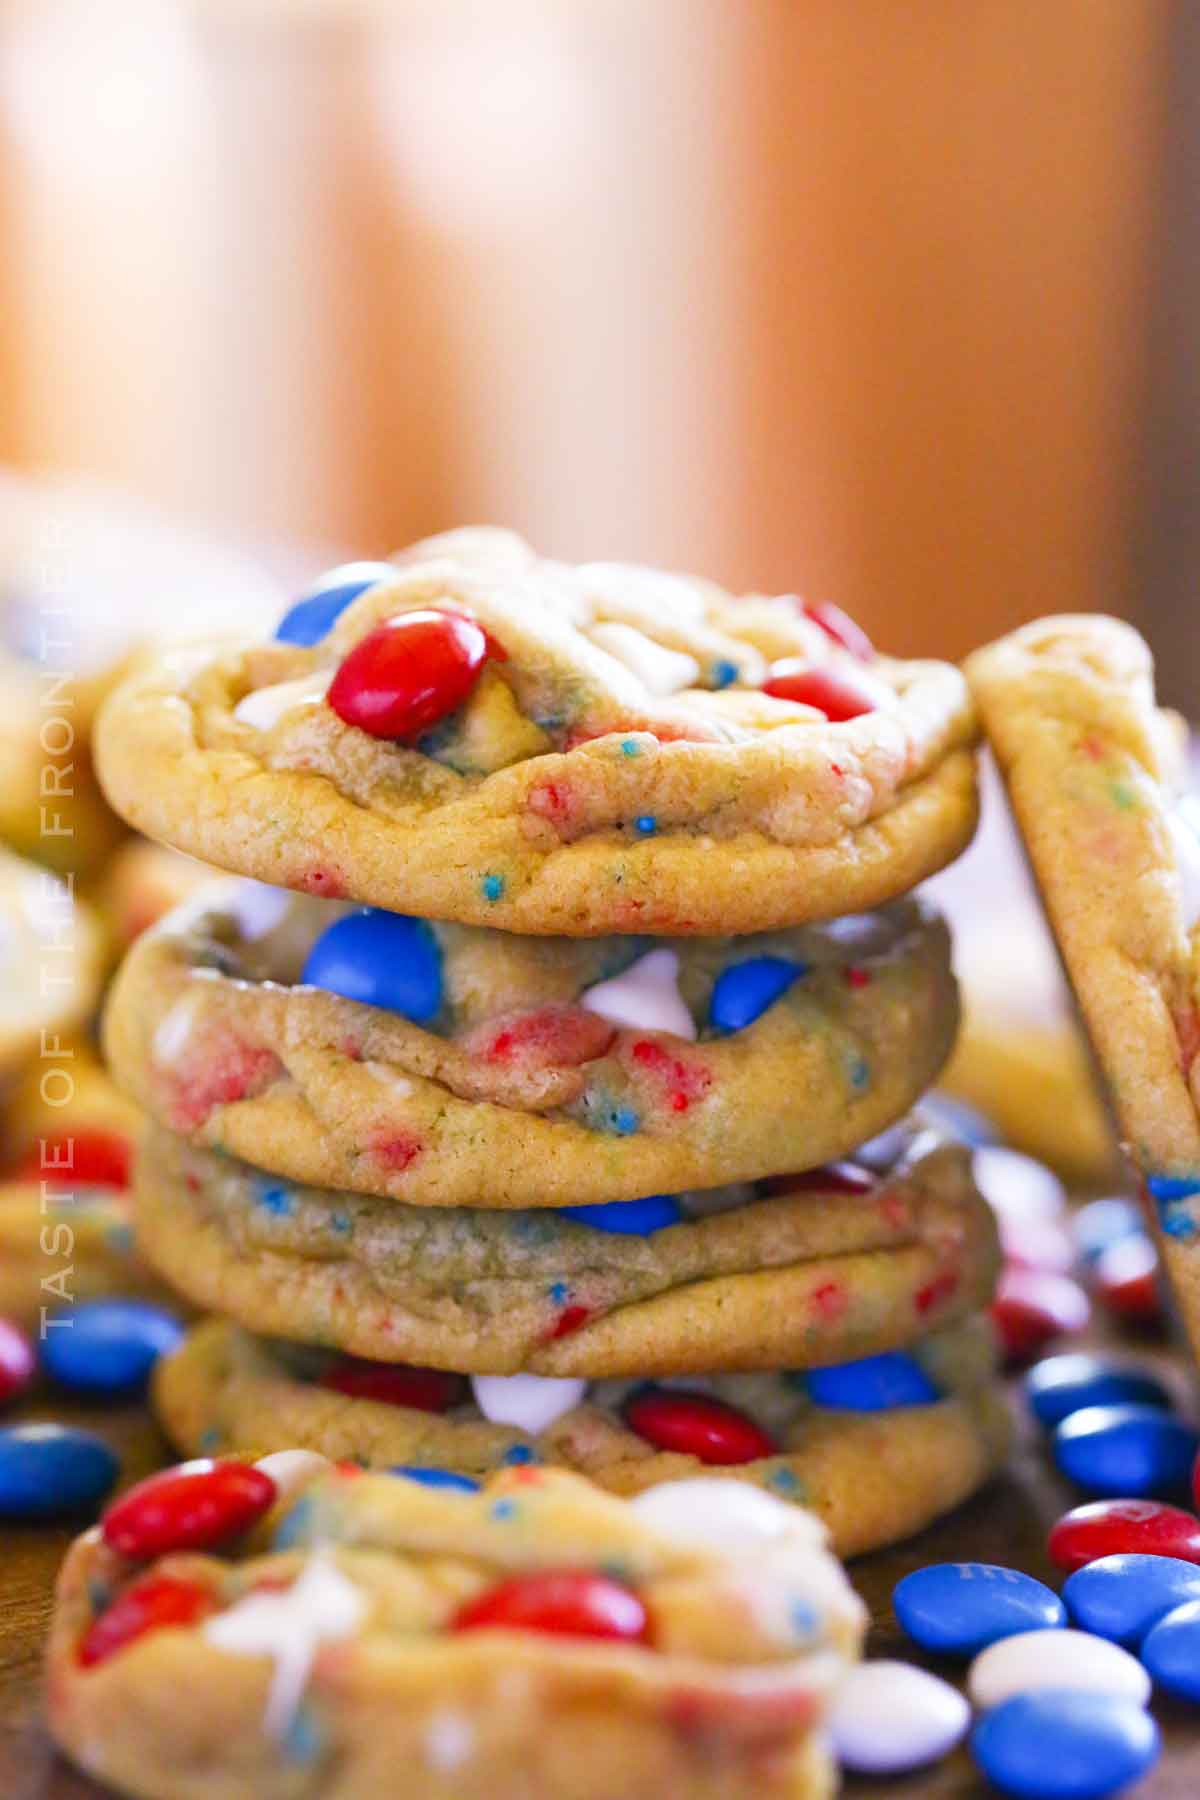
column 474, row 732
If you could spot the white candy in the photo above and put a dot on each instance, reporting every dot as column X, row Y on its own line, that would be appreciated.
column 723, row 1515
column 292, row 1470
column 174, row 1030
column 892, row 1716
column 530, row 1402
column 320, row 1607
column 1055, row 1659
column 1184, row 825
column 645, row 998
column 661, row 671
column 264, row 707
column 1016, row 1186
column 258, row 908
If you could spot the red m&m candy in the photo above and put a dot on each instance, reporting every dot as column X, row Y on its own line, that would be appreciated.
column 146, row 1605
column 839, row 626
column 566, row 1602
column 837, row 693
column 696, row 1425
column 408, row 673
column 191, row 1507
column 16, row 1361
column 1032, row 1307
column 426, row 1390
column 79, row 1159
column 1124, row 1527
column 1126, row 1279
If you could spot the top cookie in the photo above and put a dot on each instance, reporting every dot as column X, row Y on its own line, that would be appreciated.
column 475, row 733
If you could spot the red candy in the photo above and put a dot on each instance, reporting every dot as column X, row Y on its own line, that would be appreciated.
column 17, row 1361
column 565, row 1602
column 839, row 626
column 695, row 1425
column 838, row 694
column 425, row 1390
column 408, row 673
column 146, row 1605
column 831, row 1178
column 1124, row 1527
column 1032, row 1307
column 83, row 1158
column 1126, row 1279
column 191, row 1507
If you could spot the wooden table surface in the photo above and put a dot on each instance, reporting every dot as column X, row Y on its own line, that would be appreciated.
column 1006, row 1524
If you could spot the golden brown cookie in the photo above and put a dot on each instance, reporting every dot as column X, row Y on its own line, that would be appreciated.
column 59, row 1248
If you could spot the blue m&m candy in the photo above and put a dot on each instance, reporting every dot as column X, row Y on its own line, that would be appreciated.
column 1120, row 1597
column 633, row 1218
column 108, row 1346
column 1130, row 1450
column 51, row 1471
column 1171, row 1651
column 1063, row 1744
column 871, row 1384
column 744, row 991
column 315, row 613
column 437, row 1478
column 1062, row 1385
column 958, row 1609
column 383, row 959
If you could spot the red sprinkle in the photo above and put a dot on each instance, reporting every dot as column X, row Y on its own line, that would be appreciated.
column 425, row 1390
column 79, row 1158
column 837, row 693
column 222, row 1074
column 935, row 1293
column 684, row 1081
column 830, row 1301
column 397, row 1151
column 839, row 626
column 325, row 882
column 150, row 1604
column 1123, row 1527
column 17, row 1361
column 570, row 1319
column 564, row 1602
column 696, row 1425
column 1032, row 1307
column 408, row 673
column 855, row 977
column 191, row 1507
column 552, row 1037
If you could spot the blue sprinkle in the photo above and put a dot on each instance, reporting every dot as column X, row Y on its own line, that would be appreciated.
column 381, row 958
column 630, row 747
column 436, row 1478
column 504, row 1509
column 341, row 1223
column 859, row 1073
column 312, row 616
column 119, row 1237
column 304, row 1739
column 1177, row 1225
column 493, row 886
column 647, row 824
column 210, row 1439
column 624, row 1121
column 744, row 991
column 803, row 1620
column 273, row 1199
column 517, row 1455
column 783, row 1481
column 723, row 673
column 1173, row 1187
column 559, row 1292
column 628, row 1218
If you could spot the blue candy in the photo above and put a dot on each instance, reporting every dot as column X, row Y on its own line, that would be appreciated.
column 1121, row 1597
column 108, row 1346
column 1129, row 1450
column 1062, row 1385
column 958, row 1609
column 872, row 1384
column 1172, row 1651
column 312, row 616
column 52, row 1471
column 1063, row 1744
column 630, row 1218
column 744, row 991
column 1105, row 1222
column 437, row 1478
column 382, row 958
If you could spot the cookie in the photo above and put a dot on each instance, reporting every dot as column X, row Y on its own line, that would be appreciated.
column 872, row 1477
column 59, row 1248
column 51, row 963
column 139, row 884
column 63, row 1118
column 1093, row 768
column 475, row 733
column 536, row 1641
column 850, row 1262
column 484, row 1069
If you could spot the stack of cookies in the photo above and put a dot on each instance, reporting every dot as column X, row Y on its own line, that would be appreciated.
column 546, row 1094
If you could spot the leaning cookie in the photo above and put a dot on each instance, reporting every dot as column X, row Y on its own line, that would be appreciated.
column 475, row 733
column 476, row 1068
column 537, row 1641
column 1093, row 769
column 836, row 1265
column 51, row 963
column 878, row 1449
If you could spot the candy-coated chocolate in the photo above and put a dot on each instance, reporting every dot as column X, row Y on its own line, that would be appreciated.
column 696, row 1425
column 293, row 1470
column 958, row 1609
column 838, row 693
column 396, row 1384
column 1065, row 1745
column 316, row 612
column 1104, row 1222
column 1123, row 1527
column 1033, row 1307
column 744, row 990
column 530, row 1402
column 1050, row 1659
column 108, row 1346
column 1035, row 1243
column 1171, row 1651
column 871, row 1384
column 1126, row 1279
column 51, row 1471
column 191, row 1507
column 1121, row 1597
column 1138, row 1450
column 839, row 626
column 17, row 1361
column 408, row 673
column 145, row 1605
column 79, row 1159
column 1015, row 1184
column 890, row 1716
column 381, row 958
column 1061, row 1385
column 437, row 1478
column 565, row 1603
column 629, row 1218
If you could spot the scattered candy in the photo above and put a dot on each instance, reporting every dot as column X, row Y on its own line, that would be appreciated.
column 1171, row 1651
column 744, row 991
column 1126, row 1450
column 17, row 1361
column 632, row 1218
column 1016, row 1185
column 1121, row 1597
column 1033, row 1307
column 1123, row 1527
column 312, row 616
column 1055, row 1659
column 871, row 1384
column 108, row 1347
column 1065, row 1745
column 1062, row 1385
column 958, row 1609
column 145, row 1605
column 191, row 1507
column 839, row 693
column 696, row 1425
column 437, row 1478
column 644, row 997
column 722, row 1514
column 530, row 1402
column 395, row 1384
column 891, row 1716
column 381, row 958
column 1126, row 1279
column 567, row 1603
column 1105, row 1222
column 1036, row 1244
column 51, row 1471
column 408, row 673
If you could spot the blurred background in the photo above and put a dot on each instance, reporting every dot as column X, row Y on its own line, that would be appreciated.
column 884, row 302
